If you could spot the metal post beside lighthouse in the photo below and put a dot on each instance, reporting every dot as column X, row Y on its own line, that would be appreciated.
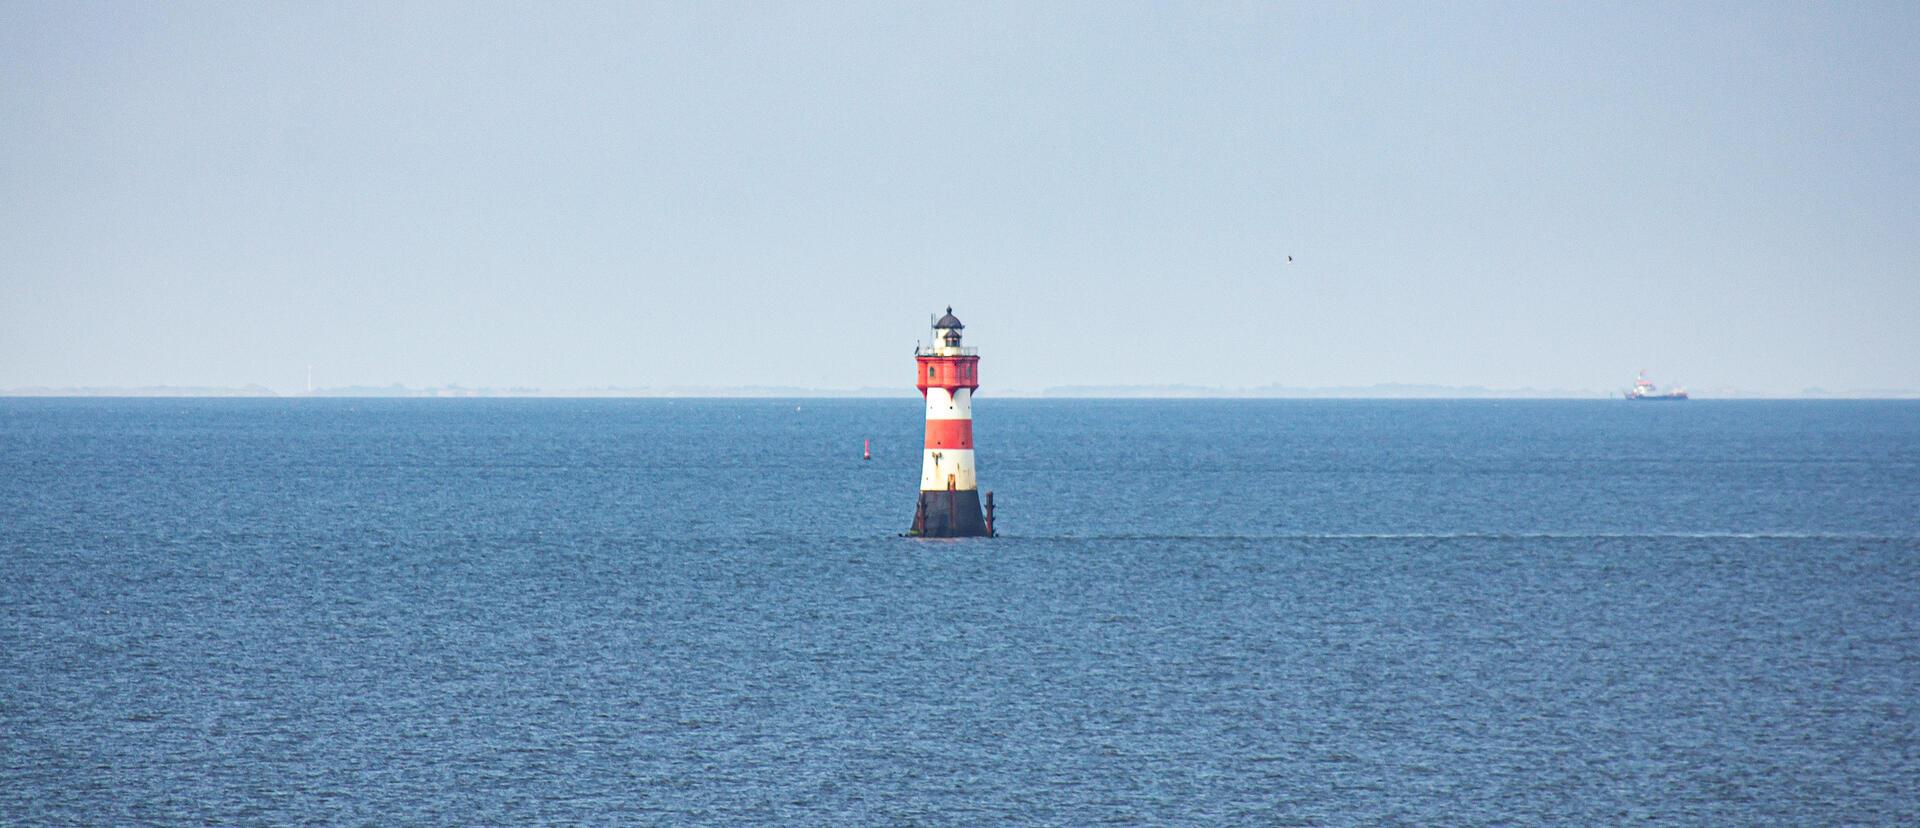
column 949, row 494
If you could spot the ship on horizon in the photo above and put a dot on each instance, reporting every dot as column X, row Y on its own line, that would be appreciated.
column 1644, row 389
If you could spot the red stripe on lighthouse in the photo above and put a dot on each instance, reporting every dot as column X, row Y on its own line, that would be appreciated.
column 953, row 434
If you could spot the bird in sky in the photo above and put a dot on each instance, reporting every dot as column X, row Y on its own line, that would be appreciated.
column 1289, row 260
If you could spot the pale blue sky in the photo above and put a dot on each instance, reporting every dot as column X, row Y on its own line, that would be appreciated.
column 566, row 195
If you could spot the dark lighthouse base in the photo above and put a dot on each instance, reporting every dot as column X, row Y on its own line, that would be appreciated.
column 951, row 514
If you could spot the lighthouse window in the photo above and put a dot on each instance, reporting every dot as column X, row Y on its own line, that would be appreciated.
column 929, row 372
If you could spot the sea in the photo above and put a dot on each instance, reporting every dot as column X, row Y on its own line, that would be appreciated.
column 1198, row 612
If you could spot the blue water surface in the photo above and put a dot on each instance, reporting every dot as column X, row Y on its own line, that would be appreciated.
column 1199, row 612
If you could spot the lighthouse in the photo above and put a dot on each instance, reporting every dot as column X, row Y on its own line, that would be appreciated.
column 949, row 494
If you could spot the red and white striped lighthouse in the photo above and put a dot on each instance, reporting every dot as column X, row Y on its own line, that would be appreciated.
column 949, row 494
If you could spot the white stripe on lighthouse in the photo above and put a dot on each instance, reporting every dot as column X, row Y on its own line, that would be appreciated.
column 944, row 406
column 938, row 467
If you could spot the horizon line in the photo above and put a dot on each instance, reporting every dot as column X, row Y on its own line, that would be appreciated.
column 1384, row 391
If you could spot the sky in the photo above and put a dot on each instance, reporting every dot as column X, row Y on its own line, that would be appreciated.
column 581, row 195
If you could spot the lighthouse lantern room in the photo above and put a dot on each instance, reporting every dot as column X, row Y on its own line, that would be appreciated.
column 948, row 373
